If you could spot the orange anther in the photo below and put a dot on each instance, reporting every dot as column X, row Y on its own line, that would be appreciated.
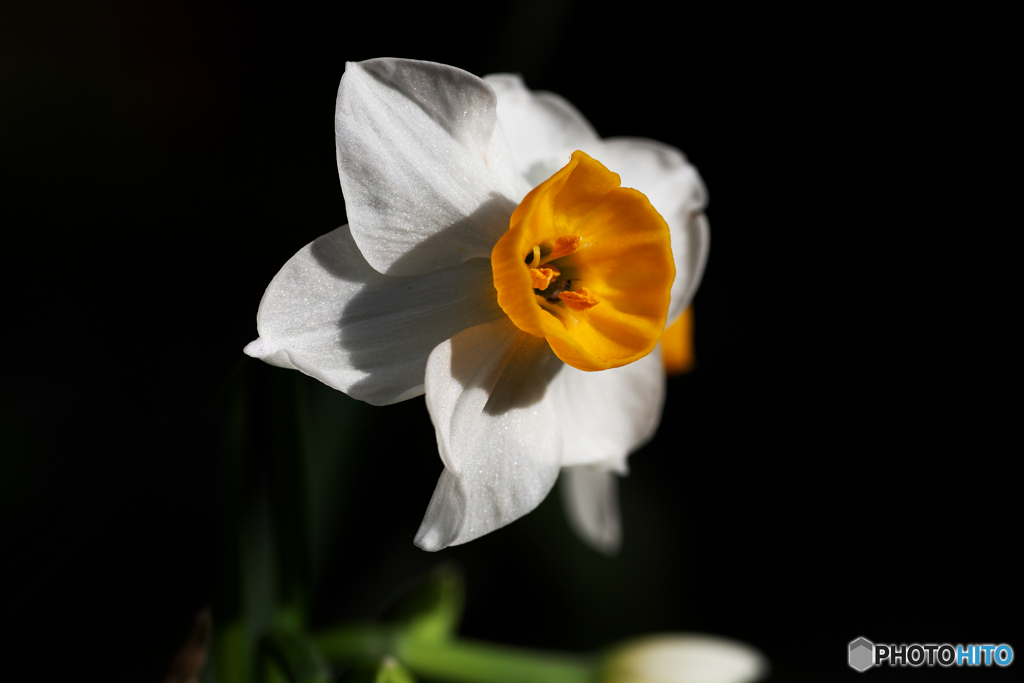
column 543, row 277
column 564, row 245
column 580, row 300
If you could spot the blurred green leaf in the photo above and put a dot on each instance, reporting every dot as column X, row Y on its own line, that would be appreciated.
column 430, row 610
column 295, row 656
column 333, row 432
column 230, row 659
column 289, row 495
column 390, row 671
column 360, row 644
column 272, row 673
column 233, row 635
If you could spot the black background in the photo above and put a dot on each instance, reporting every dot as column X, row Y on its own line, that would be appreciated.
column 839, row 464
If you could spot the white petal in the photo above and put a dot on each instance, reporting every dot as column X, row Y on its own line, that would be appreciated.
column 330, row 315
column 538, row 125
column 604, row 416
column 676, row 190
column 685, row 658
column 607, row 415
column 426, row 173
column 497, row 431
column 590, row 495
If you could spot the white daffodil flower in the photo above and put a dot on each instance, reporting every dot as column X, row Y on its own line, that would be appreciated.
column 493, row 262
column 684, row 658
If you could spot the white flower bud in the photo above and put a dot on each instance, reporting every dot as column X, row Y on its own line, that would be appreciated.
column 684, row 658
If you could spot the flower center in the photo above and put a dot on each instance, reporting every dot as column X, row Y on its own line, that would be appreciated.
column 587, row 265
column 547, row 281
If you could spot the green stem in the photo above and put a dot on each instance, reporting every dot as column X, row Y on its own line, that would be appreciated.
column 468, row 661
column 455, row 660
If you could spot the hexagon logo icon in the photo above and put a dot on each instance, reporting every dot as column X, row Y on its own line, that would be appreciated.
column 862, row 654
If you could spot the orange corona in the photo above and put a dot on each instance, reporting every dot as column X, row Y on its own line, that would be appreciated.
column 587, row 265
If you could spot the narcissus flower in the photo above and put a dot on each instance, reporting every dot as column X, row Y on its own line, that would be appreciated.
column 510, row 264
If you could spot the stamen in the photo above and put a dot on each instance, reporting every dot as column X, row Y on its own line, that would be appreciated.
column 581, row 300
column 543, row 277
column 565, row 245
column 553, row 295
column 533, row 255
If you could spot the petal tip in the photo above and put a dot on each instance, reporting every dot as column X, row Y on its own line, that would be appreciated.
column 444, row 517
column 262, row 350
column 256, row 348
column 429, row 539
column 608, row 545
column 506, row 82
column 591, row 501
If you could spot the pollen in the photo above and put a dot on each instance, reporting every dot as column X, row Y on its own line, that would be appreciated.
column 564, row 245
column 580, row 300
column 543, row 277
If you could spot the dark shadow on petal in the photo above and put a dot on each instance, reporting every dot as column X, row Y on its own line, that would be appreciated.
column 492, row 217
column 518, row 379
column 387, row 349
